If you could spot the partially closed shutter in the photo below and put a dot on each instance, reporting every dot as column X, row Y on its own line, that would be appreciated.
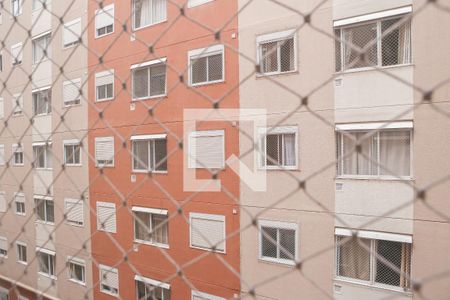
column 19, row 197
column 2, row 202
column 2, row 108
column 71, row 91
column 104, row 17
column 16, row 53
column 104, row 78
column 109, row 277
column 207, row 230
column 3, row 243
column 74, row 211
column 104, row 150
column 207, row 149
column 2, row 155
column 106, row 215
column 72, row 32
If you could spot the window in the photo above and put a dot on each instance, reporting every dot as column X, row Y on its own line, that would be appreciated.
column 2, row 202
column 47, row 260
column 151, row 225
column 76, row 270
column 104, row 151
column 104, row 85
column 72, row 32
column 42, row 101
column 149, row 79
column 104, row 21
column 279, row 147
column 19, row 200
column 278, row 241
column 207, row 231
column 17, row 154
column 206, row 65
column 276, row 52
column 16, row 7
column 372, row 260
column 72, row 92
column 385, row 153
column 38, row 4
column 41, row 48
column 16, row 54
column 2, row 108
column 73, row 209
column 3, row 247
column 17, row 104
column 207, row 149
column 196, row 295
column 2, row 155
column 42, row 155
column 4, row 294
column 383, row 42
column 72, row 152
column 106, row 217
column 109, row 280
column 45, row 211
column 149, row 153
column 148, row 12
column 147, row 288
column 193, row 3
column 1, row 56
column 21, row 252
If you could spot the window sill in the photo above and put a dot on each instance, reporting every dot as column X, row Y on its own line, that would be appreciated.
column 41, row 115
column 277, row 261
column 21, row 214
column 276, row 74
column 156, row 97
column 103, row 35
column 77, row 282
column 109, row 293
column 104, row 100
column 48, row 275
column 148, row 26
column 200, row 84
column 44, row 223
column 374, row 286
column 75, row 224
column 148, row 171
column 22, row 263
column 73, row 165
column 374, row 178
column 151, row 244
column 18, row 165
column 17, row 115
column 73, row 45
column 374, row 68
column 71, row 105
column 43, row 169
column 207, row 249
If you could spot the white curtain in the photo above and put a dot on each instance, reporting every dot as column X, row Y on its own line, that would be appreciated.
column 404, row 48
column 289, row 149
column 395, row 153
column 158, row 10
column 146, row 12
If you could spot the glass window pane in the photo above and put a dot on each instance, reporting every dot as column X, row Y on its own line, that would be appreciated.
column 199, row 72
column 269, row 57
column 215, row 67
column 357, row 40
column 160, row 228
column 395, row 152
column 287, row 55
column 140, row 83
column 272, row 150
column 287, row 243
column 289, row 158
column 50, row 211
column 396, row 42
column 269, row 247
column 161, row 155
column 389, row 262
column 141, row 226
column 140, row 155
column 158, row 80
column 353, row 258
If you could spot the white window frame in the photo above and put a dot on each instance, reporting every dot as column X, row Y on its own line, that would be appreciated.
column 103, row 139
column 72, row 143
column 109, row 10
column 44, row 198
column 67, row 30
column 211, row 217
column 20, row 194
column 2, row 108
column 49, row 108
column 14, row 150
column 3, row 238
column 2, row 155
column 48, row 35
column 202, row 53
column 376, row 126
column 74, row 102
column 276, row 37
column 3, row 202
column 147, row 65
column 74, row 202
column 4, row 293
column 152, row 212
column 377, row 18
column 17, row 110
column 49, row 253
column 21, row 244
column 79, row 262
column 152, row 282
column 373, row 237
column 148, row 25
column 263, row 132
column 148, row 138
column 103, row 74
column 107, row 205
column 278, row 225
column 192, row 161
column 205, row 296
column 195, row 3
column 47, row 147
column 101, row 269
column 20, row 8
column 19, row 57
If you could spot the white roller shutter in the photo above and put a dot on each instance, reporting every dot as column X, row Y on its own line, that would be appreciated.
column 16, row 53
column 3, row 243
column 2, row 202
column 105, row 77
column 109, row 276
column 71, row 91
column 104, row 149
column 106, row 214
column 206, row 149
column 19, row 197
column 104, row 17
column 74, row 211
column 72, row 32
column 2, row 108
column 207, row 230
column 2, row 155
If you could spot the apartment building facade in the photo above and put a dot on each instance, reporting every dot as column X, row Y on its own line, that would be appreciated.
column 154, row 238
column 44, row 214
